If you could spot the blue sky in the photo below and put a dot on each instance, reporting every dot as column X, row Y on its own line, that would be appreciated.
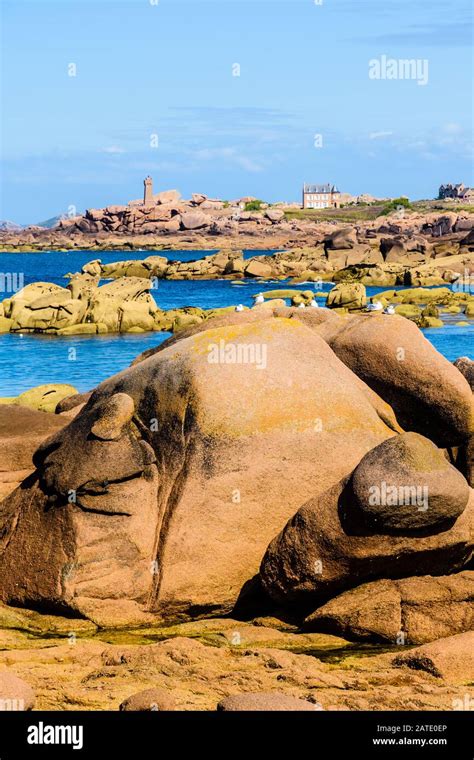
column 165, row 68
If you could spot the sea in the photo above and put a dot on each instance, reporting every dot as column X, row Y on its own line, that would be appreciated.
column 84, row 361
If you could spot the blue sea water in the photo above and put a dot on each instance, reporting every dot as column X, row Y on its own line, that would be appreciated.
column 84, row 361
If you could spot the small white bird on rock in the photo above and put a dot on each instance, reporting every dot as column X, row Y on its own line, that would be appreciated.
column 374, row 306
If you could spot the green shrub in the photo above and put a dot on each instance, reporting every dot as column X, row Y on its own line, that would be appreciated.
column 395, row 205
column 253, row 206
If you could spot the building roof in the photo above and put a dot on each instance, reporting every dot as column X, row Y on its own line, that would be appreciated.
column 320, row 188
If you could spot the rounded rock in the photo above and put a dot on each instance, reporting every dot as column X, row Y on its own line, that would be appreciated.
column 407, row 484
column 15, row 694
column 149, row 700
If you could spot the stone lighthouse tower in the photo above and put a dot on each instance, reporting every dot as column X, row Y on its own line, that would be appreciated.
column 148, row 192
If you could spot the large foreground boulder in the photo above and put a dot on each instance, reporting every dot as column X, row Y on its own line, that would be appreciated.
column 326, row 548
column 72, row 402
column 465, row 454
column 389, row 353
column 407, row 611
column 350, row 296
column 167, row 487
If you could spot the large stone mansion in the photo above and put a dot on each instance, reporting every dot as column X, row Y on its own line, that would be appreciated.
column 321, row 196
column 456, row 192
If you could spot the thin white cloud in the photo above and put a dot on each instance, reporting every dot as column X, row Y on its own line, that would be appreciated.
column 452, row 128
column 209, row 154
column 248, row 164
column 380, row 135
column 232, row 155
column 113, row 149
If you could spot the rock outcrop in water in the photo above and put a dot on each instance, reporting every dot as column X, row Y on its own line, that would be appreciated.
column 82, row 307
column 364, row 264
column 160, row 498
column 126, row 304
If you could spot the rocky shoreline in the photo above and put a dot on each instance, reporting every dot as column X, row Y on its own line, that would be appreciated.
column 126, row 304
column 212, row 545
column 414, row 251
column 178, row 224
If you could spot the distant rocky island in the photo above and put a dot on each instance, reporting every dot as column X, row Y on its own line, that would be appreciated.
column 166, row 220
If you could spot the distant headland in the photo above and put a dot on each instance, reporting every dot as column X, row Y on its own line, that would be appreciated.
column 166, row 220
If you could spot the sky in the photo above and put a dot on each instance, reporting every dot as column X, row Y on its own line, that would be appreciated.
column 230, row 98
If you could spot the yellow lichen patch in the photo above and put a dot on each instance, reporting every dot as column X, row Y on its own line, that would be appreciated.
column 282, row 293
column 45, row 398
column 409, row 311
column 284, row 377
column 228, row 333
